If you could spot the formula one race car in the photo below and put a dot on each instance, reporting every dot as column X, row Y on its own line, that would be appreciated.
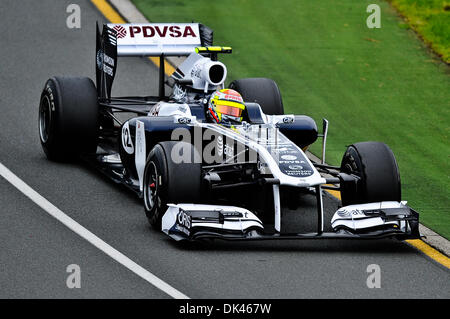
column 204, row 179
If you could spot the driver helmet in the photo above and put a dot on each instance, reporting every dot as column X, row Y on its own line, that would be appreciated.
column 226, row 107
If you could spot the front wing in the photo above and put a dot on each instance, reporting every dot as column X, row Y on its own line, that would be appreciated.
column 366, row 221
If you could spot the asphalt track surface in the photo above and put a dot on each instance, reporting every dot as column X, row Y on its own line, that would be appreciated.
column 36, row 248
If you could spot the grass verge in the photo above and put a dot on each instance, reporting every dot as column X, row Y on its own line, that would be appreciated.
column 431, row 20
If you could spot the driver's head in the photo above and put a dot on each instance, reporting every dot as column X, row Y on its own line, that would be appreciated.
column 226, row 107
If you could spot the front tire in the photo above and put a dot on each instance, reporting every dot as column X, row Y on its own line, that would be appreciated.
column 375, row 164
column 168, row 182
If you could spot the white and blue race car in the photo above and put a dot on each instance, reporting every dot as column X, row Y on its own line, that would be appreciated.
column 201, row 180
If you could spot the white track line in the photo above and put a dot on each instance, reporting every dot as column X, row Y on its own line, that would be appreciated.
column 86, row 234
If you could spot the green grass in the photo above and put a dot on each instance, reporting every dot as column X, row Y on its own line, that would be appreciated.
column 371, row 84
column 431, row 20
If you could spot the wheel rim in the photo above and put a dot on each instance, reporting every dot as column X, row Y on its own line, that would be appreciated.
column 151, row 187
column 44, row 118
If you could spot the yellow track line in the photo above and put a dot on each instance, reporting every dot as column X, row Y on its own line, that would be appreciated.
column 114, row 17
column 334, row 193
column 430, row 251
column 111, row 14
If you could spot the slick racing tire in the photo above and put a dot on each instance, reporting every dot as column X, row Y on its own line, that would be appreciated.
column 168, row 182
column 68, row 117
column 375, row 164
column 263, row 91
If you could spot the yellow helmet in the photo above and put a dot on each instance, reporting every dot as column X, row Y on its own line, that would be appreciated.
column 226, row 107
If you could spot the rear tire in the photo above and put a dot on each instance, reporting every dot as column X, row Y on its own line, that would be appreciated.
column 263, row 91
column 374, row 163
column 167, row 182
column 68, row 117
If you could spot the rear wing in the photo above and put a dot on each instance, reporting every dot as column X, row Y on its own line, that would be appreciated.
column 149, row 39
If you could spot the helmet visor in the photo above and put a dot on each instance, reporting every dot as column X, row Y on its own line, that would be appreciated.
column 229, row 109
